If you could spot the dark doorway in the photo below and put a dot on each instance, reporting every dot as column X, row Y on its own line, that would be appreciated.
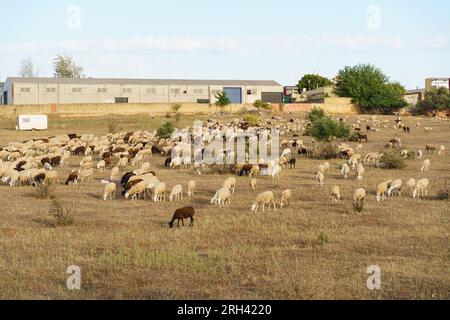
column 272, row 97
column 121, row 99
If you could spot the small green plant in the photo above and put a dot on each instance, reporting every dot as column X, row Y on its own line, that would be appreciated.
column 323, row 238
column 165, row 131
column 260, row 105
column 44, row 190
column 62, row 217
column 324, row 128
column 176, row 112
column 222, row 100
column 316, row 114
column 252, row 119
column 392, row 160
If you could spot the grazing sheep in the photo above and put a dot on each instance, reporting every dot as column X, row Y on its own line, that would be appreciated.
column 191, row 188
column 419, row 154
column 286, row 196
column 114, row 174
column 177, row 193
column 441, row 150
column 176, row 163
column 101, row 165
column 345, row 170
column 425, row 165
column 359, row 172
column 410, row 185
column 123, row 163
column 86, row 175
column 110, row 190
column 427, row 129
column 395, row 188
column 254, row 171
column 253, row 183
column 421, row 188
column 264, row 198
column 320, row 177
column 159, row 192
column 276, row 173
column 181, row 214
column 136, row 191
column 382, row 188
column 335, row 194
column 230, row 184
column 72, row 179
column 430, row 148
column 221, row 197
column 359, row 196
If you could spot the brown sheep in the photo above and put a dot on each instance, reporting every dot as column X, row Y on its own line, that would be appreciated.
column 181, row 214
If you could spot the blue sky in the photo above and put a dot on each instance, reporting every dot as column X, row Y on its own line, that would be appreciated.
column 246, row 39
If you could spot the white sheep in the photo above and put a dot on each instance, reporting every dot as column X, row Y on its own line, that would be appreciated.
column 101, row 165
column 382, row 188
column 159, row 192
column 191, row 188
column 359, row 172
column 136, row 191
column 276, row 172
column 425, row 165
column 264, row 198
column 421, row 188
column 335, row 194
column 286, row 196
column 177, row 193
column 221, row 197
column 345, row 170
column 396, row 187
column 114, row 174
column 419, row 154
column 253, row 183
column 411, row 185
column 110, row 190
column 358, row 196
column 441, row 150
column 230, row 184
column 123, row 163
column 320, row 177
column 176, row 163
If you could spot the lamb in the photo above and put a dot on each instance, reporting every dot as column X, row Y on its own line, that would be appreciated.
column 230, row 184
column 441, row 150
column 177, row 193
column 359, row 172
column 253, row 183
column 425, row 165
column 136, row 191
column 421, row 188
column 335, row 194
column 191, row 188
column 181, row 214
column 382, row 188
column 159, row 192
column 110, row 190
column 396, row 187
column 264, row 198
column 286, row 196
column 345, row 170
column 320, row 177
column 410, row 185
column 221, row 197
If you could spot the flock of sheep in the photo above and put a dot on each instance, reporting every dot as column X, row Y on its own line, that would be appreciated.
column 35, row 162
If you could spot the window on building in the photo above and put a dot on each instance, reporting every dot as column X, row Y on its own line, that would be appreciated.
column 25, row 90
column 76, row 90
column 175, row 91
column 127, row 90
column 251, row 92
column 102, row 90
column 51, row 90
column 151, row 91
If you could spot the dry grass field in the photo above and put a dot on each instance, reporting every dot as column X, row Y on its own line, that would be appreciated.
column 126, row 250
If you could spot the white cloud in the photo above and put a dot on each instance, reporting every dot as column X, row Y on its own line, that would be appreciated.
column 436, row 42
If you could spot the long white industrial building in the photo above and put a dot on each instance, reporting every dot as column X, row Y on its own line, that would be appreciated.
column 29, row 91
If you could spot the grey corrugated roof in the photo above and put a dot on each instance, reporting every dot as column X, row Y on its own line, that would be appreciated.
column 146, row 81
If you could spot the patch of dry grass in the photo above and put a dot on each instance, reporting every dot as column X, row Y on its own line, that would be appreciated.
column 312, row 250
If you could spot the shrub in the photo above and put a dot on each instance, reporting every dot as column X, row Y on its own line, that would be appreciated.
column 325, row 151
column 392, row 160
column 435, row 100
column 259, row 104
column 176, row 112
column 44, row 190
column 316, row 114
column 323, row 238
column 443, row 194
column 62, row 216
column 165, row 131
column 324, row 129
column 252, row 119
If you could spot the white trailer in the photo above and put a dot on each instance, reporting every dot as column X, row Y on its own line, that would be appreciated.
column 32, row 122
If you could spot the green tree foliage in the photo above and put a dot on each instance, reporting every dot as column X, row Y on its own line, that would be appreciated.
column 165, row 131
column 312, row 82
column 222, row 99
column 370, row 89
column 259, row 104
column 65, row 67
column 324, row 128
column 435, row 100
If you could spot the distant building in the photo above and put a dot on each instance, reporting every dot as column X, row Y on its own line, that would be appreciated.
column 292, row 95
column 435, row 83
column 21, row 91
column 414, row 96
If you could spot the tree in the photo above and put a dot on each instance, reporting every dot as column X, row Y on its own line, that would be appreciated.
column 65, row 67
column 324, row 128
column 222, row 100
column 27, row 68
column 312, row 82
column 370, row 89
column 435, row 100
column 165, row 131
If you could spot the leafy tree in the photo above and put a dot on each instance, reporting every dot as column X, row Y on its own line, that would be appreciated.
column 435, row 100
column 316, row 114
column 312, row 82
column 65, row 67
column 222, row 100
column 324, row 128
column 165, row 131
column 370, row 89
column 176, row 111
column 27, row 68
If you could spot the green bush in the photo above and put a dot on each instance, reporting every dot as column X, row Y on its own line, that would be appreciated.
column 323, row 238
column 62, row 216
column 316, row 114
column 259, row 104
column 435, row 100
column 392, row 160
column 324, row 129
column 252, row 119
column 165, row 131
